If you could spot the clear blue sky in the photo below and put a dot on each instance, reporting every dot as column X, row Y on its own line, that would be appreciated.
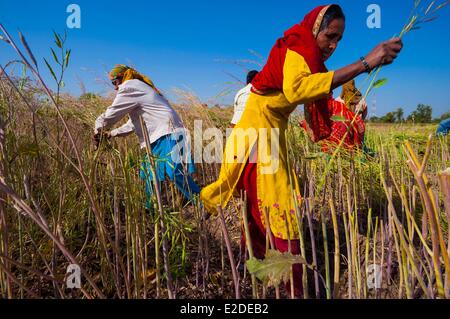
column 192, row 44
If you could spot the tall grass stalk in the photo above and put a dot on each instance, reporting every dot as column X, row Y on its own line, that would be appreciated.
column 248, row 242
column 159, row 207
column 230, row 253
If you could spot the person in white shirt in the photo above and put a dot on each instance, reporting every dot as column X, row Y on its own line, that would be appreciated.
column 138, row 97
column 241, row 98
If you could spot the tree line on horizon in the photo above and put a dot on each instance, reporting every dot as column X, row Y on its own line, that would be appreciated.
column 422, row 114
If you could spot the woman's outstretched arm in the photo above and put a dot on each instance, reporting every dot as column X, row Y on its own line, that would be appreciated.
column 383, row 54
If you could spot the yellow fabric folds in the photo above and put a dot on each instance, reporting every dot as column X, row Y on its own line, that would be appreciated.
column 264, row 124
column 299, row 85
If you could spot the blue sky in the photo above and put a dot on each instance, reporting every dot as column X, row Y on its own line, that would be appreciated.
column 193, row 45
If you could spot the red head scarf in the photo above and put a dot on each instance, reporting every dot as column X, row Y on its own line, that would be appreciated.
column 301, row 38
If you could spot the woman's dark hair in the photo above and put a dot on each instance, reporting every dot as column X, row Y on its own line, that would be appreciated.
column 334, row 12
column 251, row 75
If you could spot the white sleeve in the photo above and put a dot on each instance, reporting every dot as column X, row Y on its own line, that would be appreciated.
column 236, row 97
column 236, row 113
column 123, row 104
column 124, row 130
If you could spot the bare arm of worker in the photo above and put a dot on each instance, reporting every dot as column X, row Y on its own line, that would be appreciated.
column 124, row 130
column 123, row 104
column 383, row 54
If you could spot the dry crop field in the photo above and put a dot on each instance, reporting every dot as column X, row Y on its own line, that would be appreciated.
column 64, row 202
column 371, row 224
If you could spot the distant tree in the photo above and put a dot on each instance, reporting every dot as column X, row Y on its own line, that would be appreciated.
column 445, row 116
column 421, row 115
column 89, row 96
column 399, row 115
column 388, row 118
column 374, row 119
column 441, row 118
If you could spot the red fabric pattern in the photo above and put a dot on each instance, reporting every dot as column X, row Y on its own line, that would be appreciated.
column 355, row 135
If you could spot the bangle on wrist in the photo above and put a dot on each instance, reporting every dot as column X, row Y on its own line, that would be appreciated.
column 366, row 65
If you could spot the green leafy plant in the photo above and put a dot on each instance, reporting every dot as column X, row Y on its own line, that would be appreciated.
column 62, row 61
column 275, row 267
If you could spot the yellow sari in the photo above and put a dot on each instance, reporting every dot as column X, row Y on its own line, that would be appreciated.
column 270, row 112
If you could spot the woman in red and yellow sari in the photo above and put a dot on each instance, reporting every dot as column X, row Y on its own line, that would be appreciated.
column 255, row 157
column 348, row 113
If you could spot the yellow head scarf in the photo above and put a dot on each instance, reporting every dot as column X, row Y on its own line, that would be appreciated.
column 126, row 73
column 351, row 95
